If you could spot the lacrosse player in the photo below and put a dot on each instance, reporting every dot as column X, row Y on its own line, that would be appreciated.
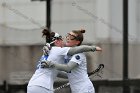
column 75, row 66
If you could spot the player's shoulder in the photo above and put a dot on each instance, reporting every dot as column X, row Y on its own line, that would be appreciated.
column 59, row 50
column 79, row 55
column 55, row 47
column 82, row 54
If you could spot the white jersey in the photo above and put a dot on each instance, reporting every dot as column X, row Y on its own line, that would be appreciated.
column 45, row 77
column 78, row 77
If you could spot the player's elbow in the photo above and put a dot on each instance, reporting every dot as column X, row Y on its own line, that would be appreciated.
column 68, row 69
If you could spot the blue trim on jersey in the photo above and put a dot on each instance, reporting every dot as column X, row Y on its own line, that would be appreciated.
column 66, row 60
column 43, row 58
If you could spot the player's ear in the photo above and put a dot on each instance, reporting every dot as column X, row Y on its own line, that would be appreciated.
column 78, row 42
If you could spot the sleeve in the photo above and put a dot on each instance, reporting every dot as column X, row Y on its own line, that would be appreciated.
column 63, row 67
column 78, row 58
column 74, row 50
column 81, row 49
column 62, row 74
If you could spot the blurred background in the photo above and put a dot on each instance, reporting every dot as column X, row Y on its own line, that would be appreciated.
column 113, row 25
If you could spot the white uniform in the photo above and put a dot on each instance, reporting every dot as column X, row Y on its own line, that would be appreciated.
column 44, row 78
column 78, row 77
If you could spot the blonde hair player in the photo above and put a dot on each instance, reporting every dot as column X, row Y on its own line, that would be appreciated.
column 76, row 65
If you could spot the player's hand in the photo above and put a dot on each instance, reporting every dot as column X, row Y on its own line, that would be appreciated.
column 98, row 48
column 46, row 64
column 46, row 49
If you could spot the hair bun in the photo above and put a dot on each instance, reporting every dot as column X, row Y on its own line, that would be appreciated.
column 82, row 30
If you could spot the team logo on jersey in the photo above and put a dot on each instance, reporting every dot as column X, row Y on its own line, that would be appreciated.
column 77, row 57
column 43, row 58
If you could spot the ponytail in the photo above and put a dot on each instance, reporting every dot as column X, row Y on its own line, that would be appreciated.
column 46, row 33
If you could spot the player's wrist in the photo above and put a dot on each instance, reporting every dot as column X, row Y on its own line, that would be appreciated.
column 93, row 48
column 47, row 64
column 51, row 64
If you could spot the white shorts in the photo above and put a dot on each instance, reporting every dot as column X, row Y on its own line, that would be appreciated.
column 38, row 89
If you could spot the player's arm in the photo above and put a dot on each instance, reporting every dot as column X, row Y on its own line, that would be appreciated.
column 62, row 67
column 74, row 50
column 83, row 48
column 62, row 74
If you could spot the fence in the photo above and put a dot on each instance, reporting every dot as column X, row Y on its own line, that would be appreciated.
column 101, row 86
